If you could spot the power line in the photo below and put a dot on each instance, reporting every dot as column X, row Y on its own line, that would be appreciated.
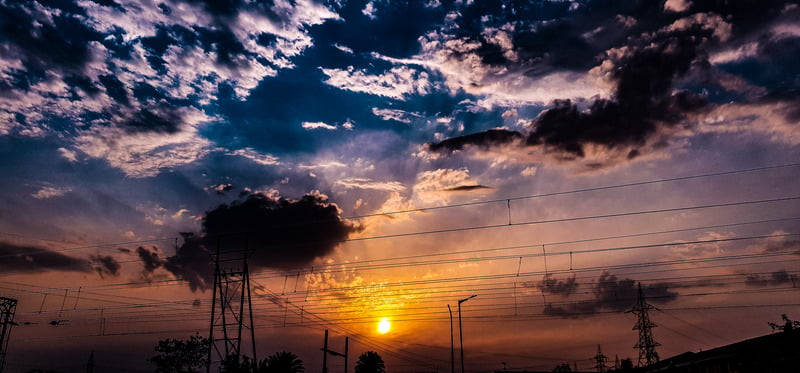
column 583, row 190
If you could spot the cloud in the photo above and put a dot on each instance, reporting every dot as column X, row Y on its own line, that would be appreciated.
column 466, row 188
column 775, row 278
column 318, row 125
column 192, row 263
column 362, row 183
column 280, row 234
column 110, row 74
column 609, row 293
column 105, row 265
column 370, row 11
column 395, row 114
column 257, row 157
column 150, row 259
column 550, row 285
column 141, row 151
column 677, row 5
column 30, row 259
column 644, row 105
column 48, row 191
column 484, row 139
column 438, row 186
column 397, row 83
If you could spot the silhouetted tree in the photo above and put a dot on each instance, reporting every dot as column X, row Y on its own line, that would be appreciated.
column 626, row 365
column 562, row 368
column 244, row 364
column 787, row 326
column 181, row 356
column 281, row 362
column 370, row 362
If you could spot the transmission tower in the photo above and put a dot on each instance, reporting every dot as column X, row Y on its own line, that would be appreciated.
column 231, row 308
column 600, row 361
column 8, row 307
column 646, row 345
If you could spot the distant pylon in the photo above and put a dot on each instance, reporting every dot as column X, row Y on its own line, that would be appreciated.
column 600, row 361
column 231, row 308
column 646, row 345
column 8, row 307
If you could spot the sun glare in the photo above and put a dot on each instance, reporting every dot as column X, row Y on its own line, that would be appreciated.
column 384, row 326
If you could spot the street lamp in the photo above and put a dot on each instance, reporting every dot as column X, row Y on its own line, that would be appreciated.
column 460, row 333
column 452, row 348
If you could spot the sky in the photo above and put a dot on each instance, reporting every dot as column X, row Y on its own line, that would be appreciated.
column 386, row 159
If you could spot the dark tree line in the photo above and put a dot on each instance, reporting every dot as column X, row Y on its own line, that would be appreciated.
column 191, row 356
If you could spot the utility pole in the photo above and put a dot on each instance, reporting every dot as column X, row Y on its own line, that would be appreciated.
column 326, row 351
column 8, row 307
column 600, row 360
column 460, row 332
column 646, row 345
column 230, row 302
column 452, row 345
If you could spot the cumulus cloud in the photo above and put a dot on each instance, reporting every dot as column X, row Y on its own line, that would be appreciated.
column 117, row 73
column 644, row 104
column 280, row 234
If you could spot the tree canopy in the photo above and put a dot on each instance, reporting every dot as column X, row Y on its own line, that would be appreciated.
column 281, row 362
column 181, row 356
column 370, row 362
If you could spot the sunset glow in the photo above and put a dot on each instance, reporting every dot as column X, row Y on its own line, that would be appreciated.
column 384, row 326
column 396, row 176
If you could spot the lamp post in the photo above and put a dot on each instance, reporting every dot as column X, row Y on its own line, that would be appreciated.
column 452, row 348
column 460, row 333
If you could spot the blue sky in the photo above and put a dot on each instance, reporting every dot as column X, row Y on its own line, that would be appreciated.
column 128, row 121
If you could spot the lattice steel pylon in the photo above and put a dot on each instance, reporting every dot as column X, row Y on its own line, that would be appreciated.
column 8, row 307
column 231, row 308
column 646, row 345
column 600, row 361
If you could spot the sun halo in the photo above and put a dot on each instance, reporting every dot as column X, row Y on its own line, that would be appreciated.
column 384, row 326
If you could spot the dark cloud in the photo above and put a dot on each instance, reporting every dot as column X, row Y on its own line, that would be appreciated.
column 105, row 265
column 41, row 44
column 657, row 52
column 165, row 119
column 27, row 259
column 192, row 263
column 466, row 188
column 224, row 8
column 279, row 233
column 783, row 245
column 282, row 232
column 775, row 278
column 643, row 101
column 485, row 139
column 150, row 259
column 550, row 285
column 609, row 294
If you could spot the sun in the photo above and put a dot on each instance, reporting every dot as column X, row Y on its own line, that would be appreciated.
column 384, row 326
